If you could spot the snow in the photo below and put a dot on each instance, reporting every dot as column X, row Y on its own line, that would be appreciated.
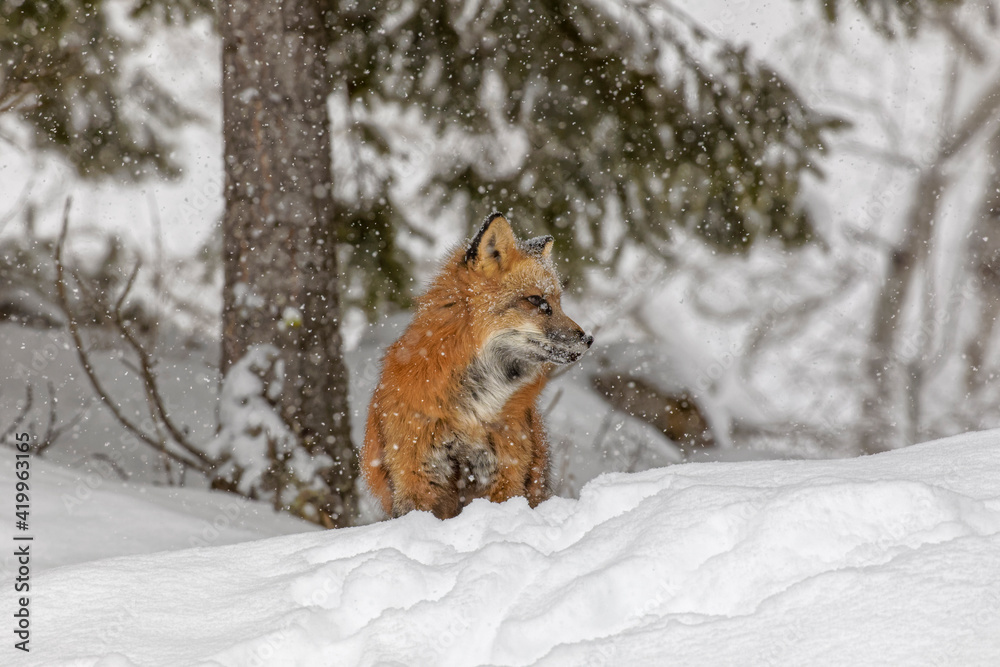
column 890, row 559
column 249, row 424
column 85, row 515
column 189, row 383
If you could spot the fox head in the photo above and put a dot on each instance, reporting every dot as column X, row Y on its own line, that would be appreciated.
column 517, row 284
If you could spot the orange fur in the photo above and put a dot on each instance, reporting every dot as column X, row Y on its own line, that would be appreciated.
column 455, row 414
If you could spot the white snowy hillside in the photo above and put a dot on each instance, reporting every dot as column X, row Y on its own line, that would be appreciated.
column 84, row 514
column 892, row 559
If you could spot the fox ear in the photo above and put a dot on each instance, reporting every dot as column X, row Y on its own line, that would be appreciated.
column 491, row 249
column 540, row 246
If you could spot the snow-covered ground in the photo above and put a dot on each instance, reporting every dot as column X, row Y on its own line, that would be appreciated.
column 892, row 559
column 79, row 515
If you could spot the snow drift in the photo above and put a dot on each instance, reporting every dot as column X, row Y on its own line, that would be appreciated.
column 890, row 559
column 80, row 515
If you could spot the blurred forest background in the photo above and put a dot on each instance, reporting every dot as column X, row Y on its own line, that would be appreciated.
column 781, row 222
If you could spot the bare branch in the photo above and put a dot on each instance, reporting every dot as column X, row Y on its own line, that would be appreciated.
column 982, row 115
column 158, row 263
column 128, row 288
column 149, row 378
column 51, row 421
column 963, row 40
column 101, row 456
column 602, row 432
column 88, row 369
column 552, row 404
column 877, row 153
column 52, row 435
column 22, row 200
column 28, row 398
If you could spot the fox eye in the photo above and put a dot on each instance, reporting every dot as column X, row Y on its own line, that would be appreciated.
column 540, row 303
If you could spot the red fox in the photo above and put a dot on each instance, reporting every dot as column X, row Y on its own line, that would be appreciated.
column 455, row 414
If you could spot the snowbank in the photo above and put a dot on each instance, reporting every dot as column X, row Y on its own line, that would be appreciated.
column 891, row 559
column 83, row 515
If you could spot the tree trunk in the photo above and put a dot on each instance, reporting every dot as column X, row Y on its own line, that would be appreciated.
column 881, row 412
column 984, row 264
column 281, row 279
column 880, row 408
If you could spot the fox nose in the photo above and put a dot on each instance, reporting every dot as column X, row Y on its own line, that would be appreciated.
column 588, row 340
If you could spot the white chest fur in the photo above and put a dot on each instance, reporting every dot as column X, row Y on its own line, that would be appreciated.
column 505, row 365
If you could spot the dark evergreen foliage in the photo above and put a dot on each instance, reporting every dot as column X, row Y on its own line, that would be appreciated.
column 60, row 70
column 572, row 114
column 569, row 115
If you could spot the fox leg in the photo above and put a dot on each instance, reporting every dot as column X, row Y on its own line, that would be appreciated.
column 538, row 488
column 538, row 476
column 476, row 467
column 509, row 482
column 523, row 460
column 513, row 456
column 417, row 491
column 427, row 485
column 529, row 479
column 421, row 475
